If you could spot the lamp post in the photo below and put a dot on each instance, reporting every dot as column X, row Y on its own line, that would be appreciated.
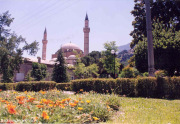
column 114, row 53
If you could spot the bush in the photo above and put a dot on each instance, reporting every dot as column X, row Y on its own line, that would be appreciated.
column 35, row 85
column 129, row 72
column 145, row 74
column 161, row 73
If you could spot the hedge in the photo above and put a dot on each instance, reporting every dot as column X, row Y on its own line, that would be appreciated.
column 7, row 86
column 151, row 87
column 139, row 87
column 35, row 85
column 64, row 86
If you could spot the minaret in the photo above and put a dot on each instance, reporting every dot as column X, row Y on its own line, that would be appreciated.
column 44, row 41
column 86, row 30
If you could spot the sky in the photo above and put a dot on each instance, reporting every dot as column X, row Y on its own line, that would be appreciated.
column 109, row 20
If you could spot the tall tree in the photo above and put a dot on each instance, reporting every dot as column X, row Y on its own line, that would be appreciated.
column 162, row 10
column 60, row 70
column 166, row 49
column 108, row 59
column 11, row 52
column 39, row 71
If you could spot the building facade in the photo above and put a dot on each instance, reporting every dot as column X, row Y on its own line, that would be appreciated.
column 69, row 51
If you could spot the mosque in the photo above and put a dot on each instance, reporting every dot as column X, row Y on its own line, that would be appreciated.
column 68, row 53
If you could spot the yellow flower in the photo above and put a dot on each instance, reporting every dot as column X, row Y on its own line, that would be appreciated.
column 95, row 118
column 14, row 92
column 81, row 90
column 82, row 102
column 29, row 96
column 88, row 101
column 50, row 105
column 80, row 108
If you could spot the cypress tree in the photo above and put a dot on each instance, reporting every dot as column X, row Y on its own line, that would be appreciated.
column 60, row 70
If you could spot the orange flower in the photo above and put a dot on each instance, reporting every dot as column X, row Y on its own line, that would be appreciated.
column 0, row 90
column 45, row 115
column 40, row 106
column 42, row 92
column 10, row 122
column 21, row 102
column 63, row 101
column 76, row 101
column 61, row 106
column 11, row 109
column 80, row 98
column 72, row 104
column 81, row 90
column 20, row 97
column 68, row 99
column 31, row 99
column 46, row 101
column 3, row 100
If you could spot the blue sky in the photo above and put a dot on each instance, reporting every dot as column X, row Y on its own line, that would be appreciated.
column 109, row 20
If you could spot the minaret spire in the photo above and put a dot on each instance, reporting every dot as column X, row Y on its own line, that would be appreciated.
column 86, row 30
column 44, row 41
column 86, row 18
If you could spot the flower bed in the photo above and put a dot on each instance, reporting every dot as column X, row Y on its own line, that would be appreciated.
column 55, row 107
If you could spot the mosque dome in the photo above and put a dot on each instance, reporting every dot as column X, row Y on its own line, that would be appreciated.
column 72, row 57
column 70, row 46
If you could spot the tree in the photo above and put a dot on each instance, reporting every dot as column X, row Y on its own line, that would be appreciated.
column 108, row 59
column 165, row 11
column 166, row 49
column 91, row 58
column 85, row 72
column 39, row 71
column 60, row 70
column 11, row 52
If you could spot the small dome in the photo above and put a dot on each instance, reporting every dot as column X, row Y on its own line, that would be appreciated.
column 70, row 46
column 72, row 57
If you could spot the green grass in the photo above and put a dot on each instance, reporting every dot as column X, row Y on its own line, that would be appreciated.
column 147, row 111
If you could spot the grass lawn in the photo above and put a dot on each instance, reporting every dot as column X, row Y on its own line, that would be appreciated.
column 147, row 111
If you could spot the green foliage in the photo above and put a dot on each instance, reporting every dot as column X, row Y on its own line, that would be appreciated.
column 160, row 73
column 28, row 76
column 39, row 71
column 139, row 87
column 63, row 86
column 7, row 86
column 108, row 59
column 166, row 50
column 145, row 74
column 35, row 85
column 85, row 72
column 165, row 11
column 11, row 52
column 60, row 70
column 91, row 58
column 129, row 72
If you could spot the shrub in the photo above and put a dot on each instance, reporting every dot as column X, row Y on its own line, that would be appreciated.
column 129, row 72
column 145, row 74
column 35, row 85
column 161, row 73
